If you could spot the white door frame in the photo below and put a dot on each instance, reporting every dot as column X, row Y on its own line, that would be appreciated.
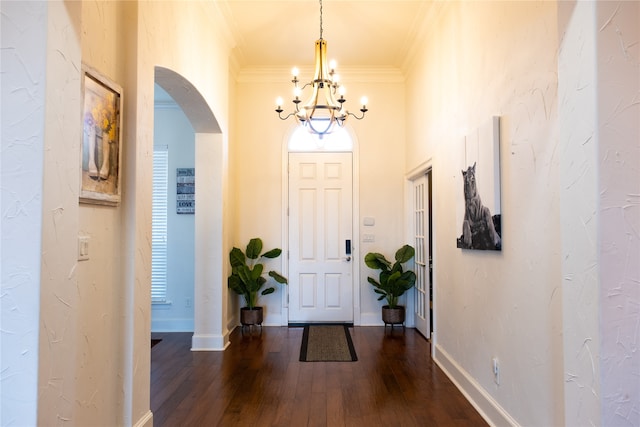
column 416, row 172
column 355, row 243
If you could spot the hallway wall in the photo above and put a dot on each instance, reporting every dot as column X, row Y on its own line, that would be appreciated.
column 536, row 305
column 93, row 321
column 482, row 60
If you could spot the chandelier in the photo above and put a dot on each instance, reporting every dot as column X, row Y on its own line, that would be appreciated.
column 322, row 111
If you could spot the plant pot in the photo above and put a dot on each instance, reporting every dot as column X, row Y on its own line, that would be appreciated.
column 251, row 316
column 393, row 316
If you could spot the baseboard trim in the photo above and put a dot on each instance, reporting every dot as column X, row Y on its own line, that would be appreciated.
column 371, row 319
column 209, row 342
column 486, row 405
column 172, row 325
column 145, row 421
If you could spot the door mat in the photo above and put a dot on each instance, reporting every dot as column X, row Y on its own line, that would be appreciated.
column 327, row 343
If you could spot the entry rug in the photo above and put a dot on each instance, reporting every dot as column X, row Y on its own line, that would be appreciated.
column 327, row 343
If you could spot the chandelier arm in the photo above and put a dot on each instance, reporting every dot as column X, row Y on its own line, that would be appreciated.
column 364, row 110
column 285, row 117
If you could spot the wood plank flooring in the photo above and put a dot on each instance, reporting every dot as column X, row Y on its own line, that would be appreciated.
column 258, row 381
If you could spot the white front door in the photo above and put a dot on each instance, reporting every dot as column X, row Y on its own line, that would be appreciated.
column 320, row 233
column 422, row 306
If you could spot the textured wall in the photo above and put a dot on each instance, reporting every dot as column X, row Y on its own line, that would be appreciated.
column 618, row 157
column 24, row 85
column 580, row 269
column 559, row 306
column 480, row 60
column 92, row 322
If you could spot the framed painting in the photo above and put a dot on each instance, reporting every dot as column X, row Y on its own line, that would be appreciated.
column 100, row 159
column 478, row 209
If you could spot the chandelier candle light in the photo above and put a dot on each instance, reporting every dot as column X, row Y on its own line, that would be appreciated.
column 322, row 111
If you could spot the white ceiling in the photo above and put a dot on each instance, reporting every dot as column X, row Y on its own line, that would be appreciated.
column 359, row 33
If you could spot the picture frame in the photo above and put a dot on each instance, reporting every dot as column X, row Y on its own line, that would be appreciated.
column 101, row 145
column 479, row 207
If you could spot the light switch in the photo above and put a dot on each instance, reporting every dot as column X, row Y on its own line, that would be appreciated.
column 368, row 238
column 83, row 248
column 369, row 221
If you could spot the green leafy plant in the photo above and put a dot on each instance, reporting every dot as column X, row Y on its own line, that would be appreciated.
column 247, row 277
column 393, row 280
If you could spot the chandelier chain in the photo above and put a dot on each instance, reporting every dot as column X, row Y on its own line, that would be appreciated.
column 320, row 19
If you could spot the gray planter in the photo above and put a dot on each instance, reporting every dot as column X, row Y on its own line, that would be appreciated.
column 251, row 316
column 393, row 316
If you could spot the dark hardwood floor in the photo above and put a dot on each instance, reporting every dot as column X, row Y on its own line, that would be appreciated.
column 258, row 381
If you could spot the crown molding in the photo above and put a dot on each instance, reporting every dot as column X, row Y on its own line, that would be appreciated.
column 432, row 12
column 361, row 75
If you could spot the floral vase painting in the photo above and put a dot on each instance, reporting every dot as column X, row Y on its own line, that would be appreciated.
column 100, row 141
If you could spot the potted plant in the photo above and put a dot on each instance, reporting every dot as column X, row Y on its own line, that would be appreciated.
column 393, row 282
column 247, row 278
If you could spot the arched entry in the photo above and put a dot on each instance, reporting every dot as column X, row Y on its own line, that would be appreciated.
column 210, row 331
column 321, row 236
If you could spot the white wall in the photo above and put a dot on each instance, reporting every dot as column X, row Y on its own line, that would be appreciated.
column 257, row 171
column 93, row 322
column 484, row 59
column 579, row 183
column 24, row 86
column 173, row 129
column 558, row 305
column 618, row 157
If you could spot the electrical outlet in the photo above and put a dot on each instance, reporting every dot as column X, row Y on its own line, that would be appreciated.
column 496, row 371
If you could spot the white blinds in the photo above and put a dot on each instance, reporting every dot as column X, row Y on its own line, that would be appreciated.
column 159, row 224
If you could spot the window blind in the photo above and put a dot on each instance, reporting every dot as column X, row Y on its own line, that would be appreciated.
column 159, row 224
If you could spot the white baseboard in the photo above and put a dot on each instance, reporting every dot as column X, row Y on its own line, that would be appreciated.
column 145, row 421
column 172, row 325
column 488, row 408
column 371, row 319
column 209, row 342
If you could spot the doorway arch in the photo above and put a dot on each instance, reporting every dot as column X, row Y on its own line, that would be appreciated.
column 210, row 330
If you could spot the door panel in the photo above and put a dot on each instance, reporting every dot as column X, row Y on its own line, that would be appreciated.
column 320, row 222
column 421, row 242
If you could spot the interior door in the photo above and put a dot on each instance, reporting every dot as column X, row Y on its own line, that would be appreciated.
column 320, row 233
column 421, row 214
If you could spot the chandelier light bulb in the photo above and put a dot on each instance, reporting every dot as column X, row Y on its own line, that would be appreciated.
column 295, row 71
column 332, row 65
column 342, row 91
column 364, row 101
column 296, row 92
column 279, row 102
